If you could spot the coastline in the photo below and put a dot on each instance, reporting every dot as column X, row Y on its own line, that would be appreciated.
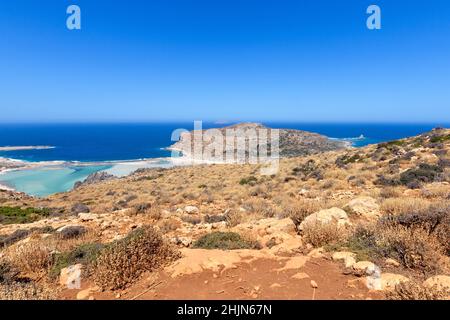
column 20, row 148
column 118, row 168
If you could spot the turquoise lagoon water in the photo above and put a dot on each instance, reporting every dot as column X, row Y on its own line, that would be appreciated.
column 42, row 182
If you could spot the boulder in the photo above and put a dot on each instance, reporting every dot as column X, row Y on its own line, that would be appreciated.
column 70, row 277
column 327, row 216
column 70, row 232
column 442, row 282
column 280, row 225
column 87, row 216
column 390, row 280
column 347, row 257
column 191, row 209
column 384, row 281
column 365, row 207
column 79, row 208
column 363, row 267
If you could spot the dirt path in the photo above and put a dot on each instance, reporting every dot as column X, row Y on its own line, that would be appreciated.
column 260, row 278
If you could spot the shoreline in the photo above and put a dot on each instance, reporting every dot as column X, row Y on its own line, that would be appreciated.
column 20, row 148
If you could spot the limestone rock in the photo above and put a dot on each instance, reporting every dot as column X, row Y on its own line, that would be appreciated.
column 87, row 216
column 390, row 280
column 80, row 207
column 69, row 232
column 347, row 257
column 363, row 266
column 327, row 216
column 365, row 207
column 71, row 276
column 191, row 209
column 385, row 281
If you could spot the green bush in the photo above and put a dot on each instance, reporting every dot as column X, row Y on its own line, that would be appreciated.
column 224, row 241
column 440, row 138
column 13, row 215
column 423, row 173
column 249, row 180
column 85, row 254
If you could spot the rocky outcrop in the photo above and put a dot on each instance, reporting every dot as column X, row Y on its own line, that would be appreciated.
column 328, row 216
column 94, row 178
column 292, row 143
column 365, row 207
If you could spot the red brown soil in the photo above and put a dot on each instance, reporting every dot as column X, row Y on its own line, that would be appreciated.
column 253, row 280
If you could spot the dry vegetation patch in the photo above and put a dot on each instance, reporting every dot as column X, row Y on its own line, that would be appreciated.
column 123, row 261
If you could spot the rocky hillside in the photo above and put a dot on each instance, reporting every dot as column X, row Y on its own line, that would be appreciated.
column 360, row 223
column 291, row 142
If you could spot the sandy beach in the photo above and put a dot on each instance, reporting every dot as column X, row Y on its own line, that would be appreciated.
column 19, row 148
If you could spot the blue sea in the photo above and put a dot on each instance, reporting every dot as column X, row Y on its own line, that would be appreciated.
column 86, row 143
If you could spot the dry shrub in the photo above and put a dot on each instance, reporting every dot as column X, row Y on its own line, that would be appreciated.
column 404, row 205
column 32, row 259
column 125, row 260
column 234, row 217
column 413, row 247
column 168, row 225
column 390, row 192
column 413, row 291
column 26, row 291
column 259, row 207
column 434, row 220
column 319, row 234
column 300, row 209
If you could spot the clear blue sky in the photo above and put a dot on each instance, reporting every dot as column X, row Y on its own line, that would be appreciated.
column 165, row 60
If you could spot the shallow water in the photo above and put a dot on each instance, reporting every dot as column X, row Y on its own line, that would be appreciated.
column 42, row 182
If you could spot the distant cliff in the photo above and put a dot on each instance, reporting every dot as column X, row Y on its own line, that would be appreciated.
column 291, row 142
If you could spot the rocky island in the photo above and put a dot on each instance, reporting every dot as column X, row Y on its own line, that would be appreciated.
column 292, row 143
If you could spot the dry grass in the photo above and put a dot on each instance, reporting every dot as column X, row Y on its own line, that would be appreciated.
column 320, row 235
column 413, row 247
column 33, row 259
column 413, row 291
column 398, row 206
column 26, row 291
column 298, row 210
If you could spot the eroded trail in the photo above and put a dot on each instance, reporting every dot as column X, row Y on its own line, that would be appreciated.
column 243, row 274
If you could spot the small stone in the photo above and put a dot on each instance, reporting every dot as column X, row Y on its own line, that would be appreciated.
column 314, row 284
column 392, row 262
column 191, row 209
column 300, row 276
column 118, row 295
column 87, row 216
column 83, row 294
